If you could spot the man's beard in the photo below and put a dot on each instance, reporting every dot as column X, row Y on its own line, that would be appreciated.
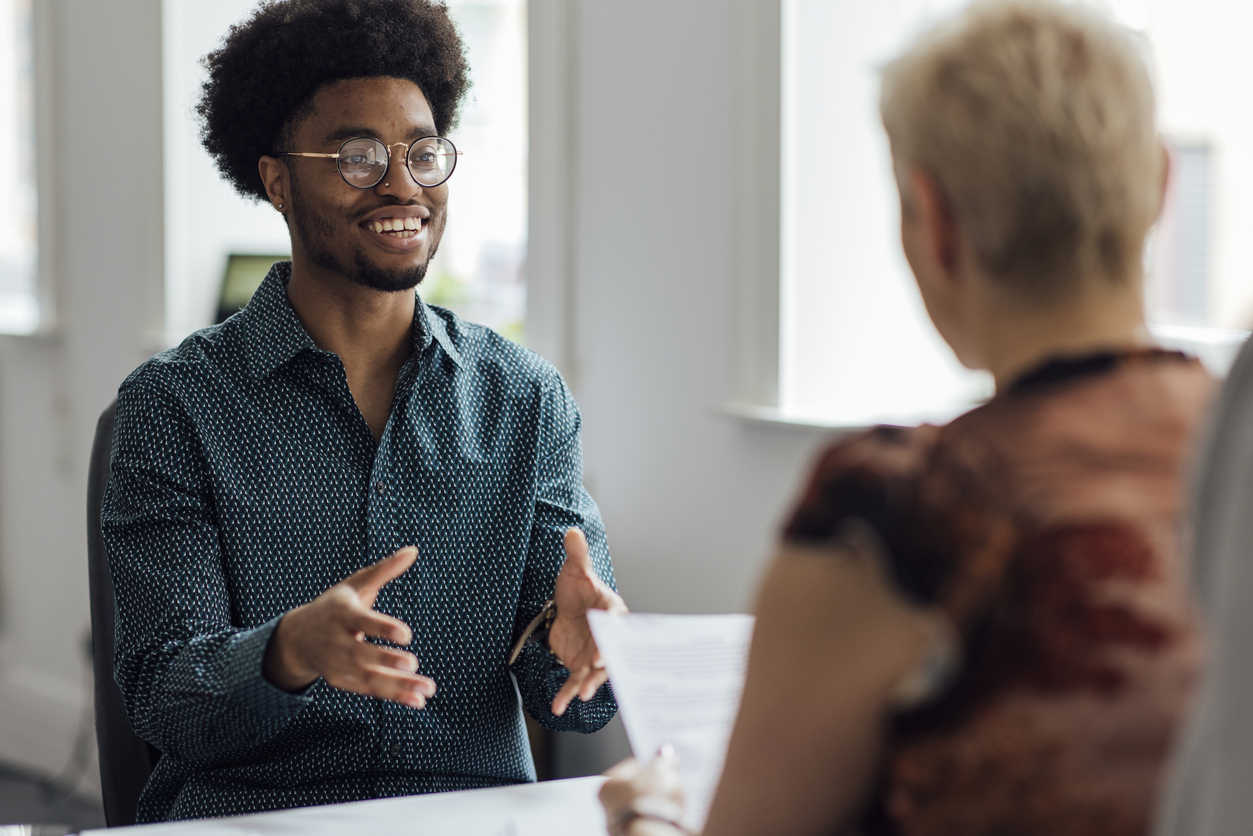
column 316, row 231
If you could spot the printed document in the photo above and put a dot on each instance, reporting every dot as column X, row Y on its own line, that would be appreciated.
column 678, row 679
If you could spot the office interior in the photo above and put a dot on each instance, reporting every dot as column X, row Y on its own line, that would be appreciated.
column 667, row 298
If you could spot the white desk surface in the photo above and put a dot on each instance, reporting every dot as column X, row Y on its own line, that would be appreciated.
column 552, row 808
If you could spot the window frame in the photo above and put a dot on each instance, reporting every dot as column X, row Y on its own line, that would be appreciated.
column 761, row 288
column 43, row 25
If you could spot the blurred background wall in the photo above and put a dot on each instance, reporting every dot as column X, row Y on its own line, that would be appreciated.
column 101, row 245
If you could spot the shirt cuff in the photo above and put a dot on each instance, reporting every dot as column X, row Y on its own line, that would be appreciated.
column 245, row 680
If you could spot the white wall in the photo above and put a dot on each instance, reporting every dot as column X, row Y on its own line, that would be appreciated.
column 691, row 497
column 101, row 230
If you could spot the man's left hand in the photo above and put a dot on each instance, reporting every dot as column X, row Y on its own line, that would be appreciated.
column 579, row 589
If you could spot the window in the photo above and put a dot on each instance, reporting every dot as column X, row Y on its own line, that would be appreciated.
column 19, row 297
column 205, row 220
column 479, row 268
column 856, row 346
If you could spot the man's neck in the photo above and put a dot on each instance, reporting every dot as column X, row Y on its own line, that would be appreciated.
column 367, row 328
column 370, row 330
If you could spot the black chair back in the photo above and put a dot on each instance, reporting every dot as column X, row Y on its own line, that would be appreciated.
column 126, row 761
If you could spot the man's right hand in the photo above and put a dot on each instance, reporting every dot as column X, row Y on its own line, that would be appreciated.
column 327, row 638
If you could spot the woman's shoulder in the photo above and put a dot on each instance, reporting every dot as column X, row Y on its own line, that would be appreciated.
column 858, row 476
column 920, row 489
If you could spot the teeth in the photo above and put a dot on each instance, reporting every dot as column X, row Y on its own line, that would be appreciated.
column 397, row 227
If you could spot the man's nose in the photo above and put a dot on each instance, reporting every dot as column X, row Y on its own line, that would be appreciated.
column 399, row 180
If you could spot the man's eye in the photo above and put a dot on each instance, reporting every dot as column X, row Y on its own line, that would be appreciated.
column 356, row 159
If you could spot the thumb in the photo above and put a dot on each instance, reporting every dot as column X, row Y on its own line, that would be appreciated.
column 373, row 578
column 577, row 557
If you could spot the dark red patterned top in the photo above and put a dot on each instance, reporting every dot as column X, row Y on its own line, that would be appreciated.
column 1047, row 525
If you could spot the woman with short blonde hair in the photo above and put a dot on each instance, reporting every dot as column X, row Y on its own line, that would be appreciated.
column 987, row 627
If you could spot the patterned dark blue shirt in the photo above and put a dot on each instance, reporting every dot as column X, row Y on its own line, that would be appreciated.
column 245, row 482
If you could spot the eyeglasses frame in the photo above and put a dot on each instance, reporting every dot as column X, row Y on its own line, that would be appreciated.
column 387, row 149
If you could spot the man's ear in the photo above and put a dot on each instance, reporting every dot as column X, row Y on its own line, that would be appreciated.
column 277, row 183
column 934, row 214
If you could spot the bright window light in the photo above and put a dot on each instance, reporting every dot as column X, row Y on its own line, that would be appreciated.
column 856, row 345
column 19, row 297
column 479, row 270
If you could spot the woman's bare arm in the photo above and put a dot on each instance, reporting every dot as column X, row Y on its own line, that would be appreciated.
column 832, row 645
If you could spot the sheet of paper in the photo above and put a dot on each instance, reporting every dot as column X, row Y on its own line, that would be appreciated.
column 678, row 680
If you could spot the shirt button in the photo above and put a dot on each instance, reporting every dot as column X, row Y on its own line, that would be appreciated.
column 380, row 487
column 394, row 750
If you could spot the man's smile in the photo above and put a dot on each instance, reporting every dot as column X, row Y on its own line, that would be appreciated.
column 397, row 227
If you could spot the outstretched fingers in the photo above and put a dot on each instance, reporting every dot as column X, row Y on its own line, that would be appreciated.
column 371, row 579
column 567, row 693
column 387, row 683
column 597, row 678
column 583, row 683
column 379, row 625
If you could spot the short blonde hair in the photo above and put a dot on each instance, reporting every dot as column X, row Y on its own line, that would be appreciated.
column 1037, row 121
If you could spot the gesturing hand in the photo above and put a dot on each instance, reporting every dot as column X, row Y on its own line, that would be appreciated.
column 579, row 590
column 327, row 637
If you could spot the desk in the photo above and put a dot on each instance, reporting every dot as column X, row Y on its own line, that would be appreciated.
column 552, row 808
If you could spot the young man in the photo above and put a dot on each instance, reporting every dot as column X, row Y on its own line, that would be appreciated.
column 334, row 519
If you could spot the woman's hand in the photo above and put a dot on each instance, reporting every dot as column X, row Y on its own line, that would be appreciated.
column 644, row 800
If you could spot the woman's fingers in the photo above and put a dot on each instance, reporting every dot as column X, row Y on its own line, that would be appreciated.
column 642, row 800
column 623, row 769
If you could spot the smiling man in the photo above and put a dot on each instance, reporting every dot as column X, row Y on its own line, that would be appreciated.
column 340, row 520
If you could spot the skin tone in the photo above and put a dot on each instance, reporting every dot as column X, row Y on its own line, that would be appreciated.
column 352, row 288
column 833, row 639
column 988, row 323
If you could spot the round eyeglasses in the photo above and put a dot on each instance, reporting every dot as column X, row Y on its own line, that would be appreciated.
column 363, row 161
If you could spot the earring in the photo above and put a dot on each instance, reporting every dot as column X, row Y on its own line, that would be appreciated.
column 280, row 207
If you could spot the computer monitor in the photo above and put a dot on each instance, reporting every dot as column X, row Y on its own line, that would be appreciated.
column 244, row 274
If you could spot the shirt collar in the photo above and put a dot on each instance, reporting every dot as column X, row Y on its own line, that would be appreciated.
column 274, row 334
column 428, row 325
column 272, row 330
column 1064, row 368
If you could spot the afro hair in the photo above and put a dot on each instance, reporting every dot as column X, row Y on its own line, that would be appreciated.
column 269, row 67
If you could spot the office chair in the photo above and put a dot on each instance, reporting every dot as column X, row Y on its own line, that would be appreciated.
column 126, row 761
